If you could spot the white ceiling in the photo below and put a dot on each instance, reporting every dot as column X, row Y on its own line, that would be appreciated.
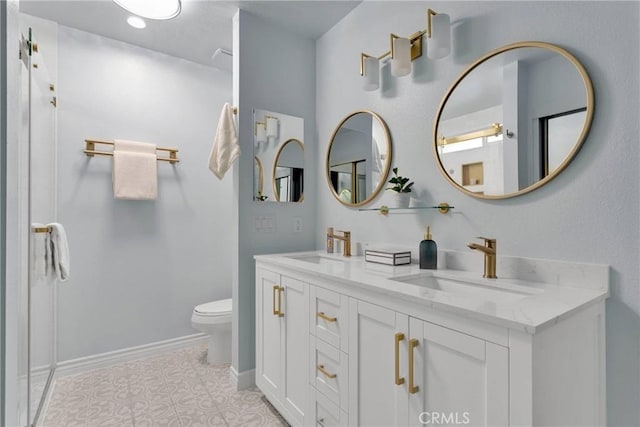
column 201, row 28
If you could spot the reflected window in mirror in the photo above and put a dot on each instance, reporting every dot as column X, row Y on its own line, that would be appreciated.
column 517, row 116
column 557, row 133
column 284, row 182
column 358, row 158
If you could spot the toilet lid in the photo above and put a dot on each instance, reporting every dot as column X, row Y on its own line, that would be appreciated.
column 214, row 308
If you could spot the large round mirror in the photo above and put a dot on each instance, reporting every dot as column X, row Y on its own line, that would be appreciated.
column 358, row 158
column 288, row 172
column 513, row 120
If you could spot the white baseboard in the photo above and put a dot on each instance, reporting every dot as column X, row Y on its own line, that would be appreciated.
column 243, row 380
column 89, row 363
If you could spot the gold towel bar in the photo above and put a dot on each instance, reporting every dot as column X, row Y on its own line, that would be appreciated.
column 90, row 150
column 42, row 229
column 494, row 130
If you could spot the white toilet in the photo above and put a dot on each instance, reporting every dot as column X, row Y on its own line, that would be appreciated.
column 214, row 318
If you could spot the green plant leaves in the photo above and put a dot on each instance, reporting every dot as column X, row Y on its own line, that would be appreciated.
column 401, row 184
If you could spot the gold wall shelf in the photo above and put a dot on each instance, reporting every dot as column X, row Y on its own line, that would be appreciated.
column 90, row 150
column 443, row 208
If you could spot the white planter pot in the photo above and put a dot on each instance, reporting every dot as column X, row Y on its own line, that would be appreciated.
column 400, row 200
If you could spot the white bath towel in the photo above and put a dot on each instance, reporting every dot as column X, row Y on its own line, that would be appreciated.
column 60, row 251
column 135, row 170
column 41, row 253
column 225, row 149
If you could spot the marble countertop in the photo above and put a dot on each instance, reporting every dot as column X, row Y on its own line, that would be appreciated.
column 546, row 291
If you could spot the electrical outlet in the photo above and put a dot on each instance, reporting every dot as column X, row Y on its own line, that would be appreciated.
column 297, row 224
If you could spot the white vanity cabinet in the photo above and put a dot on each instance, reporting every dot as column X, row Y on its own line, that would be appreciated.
column 412, row 372
column 282, row 337
column 354, row 349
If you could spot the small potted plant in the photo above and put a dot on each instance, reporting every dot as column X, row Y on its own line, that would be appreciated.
column 402, row 187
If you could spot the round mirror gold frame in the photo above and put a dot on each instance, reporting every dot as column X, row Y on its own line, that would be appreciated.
column 585, row 130
column 387, row 166
column 275, row 164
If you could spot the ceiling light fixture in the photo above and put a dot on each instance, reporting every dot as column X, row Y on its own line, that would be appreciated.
column 152, row 9
column 136, row 22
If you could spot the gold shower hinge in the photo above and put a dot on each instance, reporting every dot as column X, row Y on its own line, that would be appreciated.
column 54, row 101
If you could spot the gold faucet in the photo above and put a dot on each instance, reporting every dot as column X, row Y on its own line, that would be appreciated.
column 489, row 250
column 346, row 238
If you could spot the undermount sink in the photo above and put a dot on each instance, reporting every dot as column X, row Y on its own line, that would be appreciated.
column 485, row 290
column 319, row 260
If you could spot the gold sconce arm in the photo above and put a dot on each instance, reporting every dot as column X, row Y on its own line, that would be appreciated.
column 392, row 37
column 430, row 13
column 363, row 56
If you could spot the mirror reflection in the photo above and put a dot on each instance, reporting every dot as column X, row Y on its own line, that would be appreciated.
column 513, row 120
column 288, row 172
column 358, row 158
column 273, row 154
column 258, row 179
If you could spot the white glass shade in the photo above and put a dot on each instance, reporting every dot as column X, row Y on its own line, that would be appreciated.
column 151, row 9
column 136, row 22
column 261, row 132
column 439, row 45
column 272, row 127
column 371, row 74
column 401, row 63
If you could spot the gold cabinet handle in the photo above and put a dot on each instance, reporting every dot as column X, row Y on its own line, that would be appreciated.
column 399, row 337
column 280, row 292
column 325, row 372
column 321, row 315
column 413, row 343
column 275, row 290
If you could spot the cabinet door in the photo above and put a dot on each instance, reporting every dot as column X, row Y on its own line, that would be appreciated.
column 460, row 379
column 295, row 347
column 374, row 397
column 269, row 371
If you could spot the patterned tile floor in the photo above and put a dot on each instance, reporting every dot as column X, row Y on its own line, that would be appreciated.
column 176, row 389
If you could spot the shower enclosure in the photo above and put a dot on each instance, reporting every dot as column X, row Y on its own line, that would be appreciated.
column 38, row 205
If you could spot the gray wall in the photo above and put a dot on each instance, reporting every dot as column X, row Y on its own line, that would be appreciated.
column 273, row 70
column 138, row 267
column 589, row 213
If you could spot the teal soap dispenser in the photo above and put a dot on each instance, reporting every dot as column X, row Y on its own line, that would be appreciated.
column 428, row 252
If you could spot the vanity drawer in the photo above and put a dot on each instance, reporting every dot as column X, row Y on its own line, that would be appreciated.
column 329, row 371
column 329, row 318
column 325, row 413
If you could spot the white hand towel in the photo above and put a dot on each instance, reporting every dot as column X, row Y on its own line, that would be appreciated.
column 60, row 251
column 135, row 170
column 225, row 149
column 41, row 253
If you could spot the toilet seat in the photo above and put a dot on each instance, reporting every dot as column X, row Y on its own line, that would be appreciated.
column 214, row 308
column 212, row 313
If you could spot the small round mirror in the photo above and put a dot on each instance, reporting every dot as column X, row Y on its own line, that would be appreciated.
column 513, row 120
column 358, row 158
column 288, row 172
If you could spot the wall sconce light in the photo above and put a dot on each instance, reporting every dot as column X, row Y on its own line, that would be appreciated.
column 439, row 31
column 404, row 50
column 260, row 132
column 272, row 126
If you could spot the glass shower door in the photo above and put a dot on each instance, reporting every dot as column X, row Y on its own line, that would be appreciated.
column 41, row 289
